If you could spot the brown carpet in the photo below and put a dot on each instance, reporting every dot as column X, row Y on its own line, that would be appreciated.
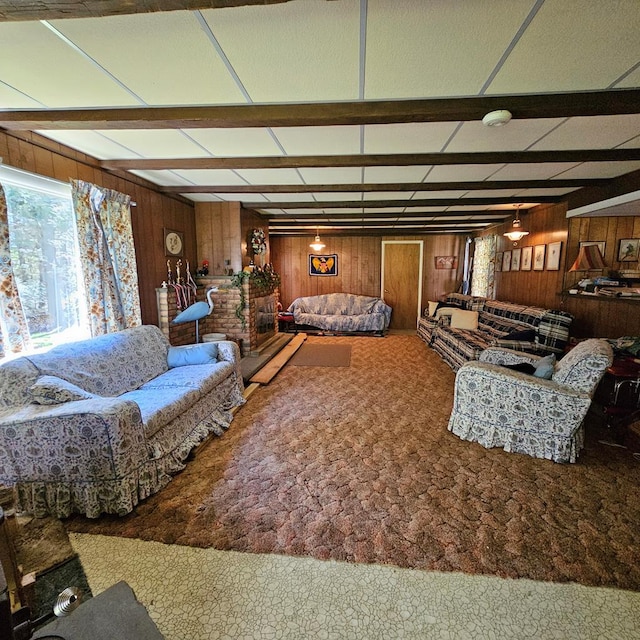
column 357, row 464
column 322, row 355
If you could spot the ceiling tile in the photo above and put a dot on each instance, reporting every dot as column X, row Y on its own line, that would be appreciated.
column 270, row 176
column 92, row 143
column 282, row 197
column 201, row 197
column 10, row 98
column 302, row 141
column 490, row 193
column 426, row 195
column 236, row 142
column 601, row 169
column 529, row 171
column 40, row 65
column 415, row 137
column 427, row 49
column 337, row 195
column 462, row 172
column 395, row 174
column 158, row 143
column 212, row 177
column 332, row 175
column 569, row 47
column 163, row 178
column 308, row 50
column 164, row 57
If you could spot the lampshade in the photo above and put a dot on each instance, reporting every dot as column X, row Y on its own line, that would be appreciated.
column 317, row 244
column 589, row 257
column 516, row 232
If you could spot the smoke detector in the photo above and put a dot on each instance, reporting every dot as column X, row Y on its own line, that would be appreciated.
column 497, row 118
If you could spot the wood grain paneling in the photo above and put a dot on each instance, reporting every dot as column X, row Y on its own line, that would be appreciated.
column 153, row 212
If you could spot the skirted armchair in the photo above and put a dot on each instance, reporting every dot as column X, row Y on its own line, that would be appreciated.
column 501, row 407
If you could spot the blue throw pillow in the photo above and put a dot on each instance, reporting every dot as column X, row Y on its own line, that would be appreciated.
column 545, row 366
column 204, row 353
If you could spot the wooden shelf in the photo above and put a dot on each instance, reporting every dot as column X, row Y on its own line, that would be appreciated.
column 601, row 298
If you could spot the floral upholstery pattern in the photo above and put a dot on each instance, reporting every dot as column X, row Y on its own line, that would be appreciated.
column 499, row 407
column 342, row 312
column 105, row 453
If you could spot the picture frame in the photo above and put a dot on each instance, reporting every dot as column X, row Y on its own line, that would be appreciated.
column 323, row 264
column 516, row 257
column 553, row 256
column 506, row 261
column 527, row 258
column 601, row 245
column 446, row 262
column 173, row 243
column 538, row 257
column 629, row 250
column 498, row 263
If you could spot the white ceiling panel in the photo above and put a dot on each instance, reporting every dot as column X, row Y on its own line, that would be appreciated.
column 212, row 177
column 236, row 142
column 426, row 195
column 601, row 169
column 629, row 81
column 596, row 132
column 270, row 176
column 92, row 143
column 411, row 51
column 420, row 137
column 337, row 195
column 161, row 143
column 395, row 174
column 529, row 171
column 36, row 62
column 201, row 197
column 165, row 57
column 301, row 141
column 332, row 175
column 309, row 51
column 490, row 193
column 568, row 46
column 383, row 210
column 163, row 178
column 281, row 197
column 248, row 197
column 517, row 135
column 545, row 192
column 462, row 172
column 10, row 98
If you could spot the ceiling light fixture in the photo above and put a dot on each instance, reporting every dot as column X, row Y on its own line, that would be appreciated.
column 317, row 244
column 516, row 233
column 496, row 118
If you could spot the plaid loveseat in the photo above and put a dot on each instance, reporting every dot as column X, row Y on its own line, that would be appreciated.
column 549, row 329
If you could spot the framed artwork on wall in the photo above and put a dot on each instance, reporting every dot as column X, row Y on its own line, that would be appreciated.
column 553, row 256
column 498, row 264
column 527, row 254
column 538, row 257
column 629, row 250
column 446, row 262
column 173, row 243
column 323, row 265
column 516, row 254
column 506, row 261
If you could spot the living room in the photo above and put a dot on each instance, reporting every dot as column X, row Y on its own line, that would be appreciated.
column 294, row 151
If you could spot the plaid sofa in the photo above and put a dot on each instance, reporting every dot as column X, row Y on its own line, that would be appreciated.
column 495, row 321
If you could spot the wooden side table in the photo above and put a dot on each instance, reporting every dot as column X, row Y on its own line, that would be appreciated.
column 622, row 380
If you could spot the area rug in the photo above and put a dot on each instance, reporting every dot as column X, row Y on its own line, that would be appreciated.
column 356, row 464
column 322, row 355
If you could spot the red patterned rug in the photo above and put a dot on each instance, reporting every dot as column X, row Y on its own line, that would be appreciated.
column 356, row 463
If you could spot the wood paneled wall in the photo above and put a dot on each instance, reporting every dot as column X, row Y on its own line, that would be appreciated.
column 153, row 212
column 219, row 236
column 359, row 263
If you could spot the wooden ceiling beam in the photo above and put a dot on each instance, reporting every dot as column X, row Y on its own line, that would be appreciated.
column 378, row 204
column 387, row 186
column 544, row 105
column 381, row 223
column 494, row 216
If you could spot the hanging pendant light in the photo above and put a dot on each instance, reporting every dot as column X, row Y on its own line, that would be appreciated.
column 516, row 233
column 317, row 244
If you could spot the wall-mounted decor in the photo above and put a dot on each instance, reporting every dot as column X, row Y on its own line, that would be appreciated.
column 173, row 243
column 446, row 262
column 553, row 256
column 506, row 261
column 629, row 250
column 516, row 255
column 538, row 257
column 498, row 264
column 323, row 265
column 527, row 254
column 601, row 245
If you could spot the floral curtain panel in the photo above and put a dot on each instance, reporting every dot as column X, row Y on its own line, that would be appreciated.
column 484, row 255
column 14, row 332
column 108, row 257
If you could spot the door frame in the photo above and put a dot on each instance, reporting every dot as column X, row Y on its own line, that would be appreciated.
column 420, row 243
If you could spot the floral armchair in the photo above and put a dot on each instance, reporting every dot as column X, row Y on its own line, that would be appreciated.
column 501, row 407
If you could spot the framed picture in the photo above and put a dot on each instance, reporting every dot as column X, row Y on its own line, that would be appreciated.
column 538, row 257
column 516, row 255
column 446, row 262
column 498, row 264
column 601, row 245
column 323, row 265
column 173, row 243
column 553, row 256
column 527, row 254
column 629, row 250
column 506, row 261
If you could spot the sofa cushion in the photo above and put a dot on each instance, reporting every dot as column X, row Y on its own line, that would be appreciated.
column 54, row 390
column 202, row 377
column 461, row 319
column 205, row 353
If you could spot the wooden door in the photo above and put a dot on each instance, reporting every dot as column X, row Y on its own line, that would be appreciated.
column 402, row 281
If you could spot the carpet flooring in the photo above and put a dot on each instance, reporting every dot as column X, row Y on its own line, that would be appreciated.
column 322, row 355
column 356, row 464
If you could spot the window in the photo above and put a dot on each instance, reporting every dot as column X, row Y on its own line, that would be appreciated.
column 45, row 257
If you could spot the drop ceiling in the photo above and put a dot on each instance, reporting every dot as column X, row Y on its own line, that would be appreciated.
column 346, row 116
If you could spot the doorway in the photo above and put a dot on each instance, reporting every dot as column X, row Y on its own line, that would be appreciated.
column 402, row 281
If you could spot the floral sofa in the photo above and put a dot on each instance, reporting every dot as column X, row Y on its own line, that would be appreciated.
column 497, row 406
column 95, row 426
column 342, row 312
column 499, row 324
